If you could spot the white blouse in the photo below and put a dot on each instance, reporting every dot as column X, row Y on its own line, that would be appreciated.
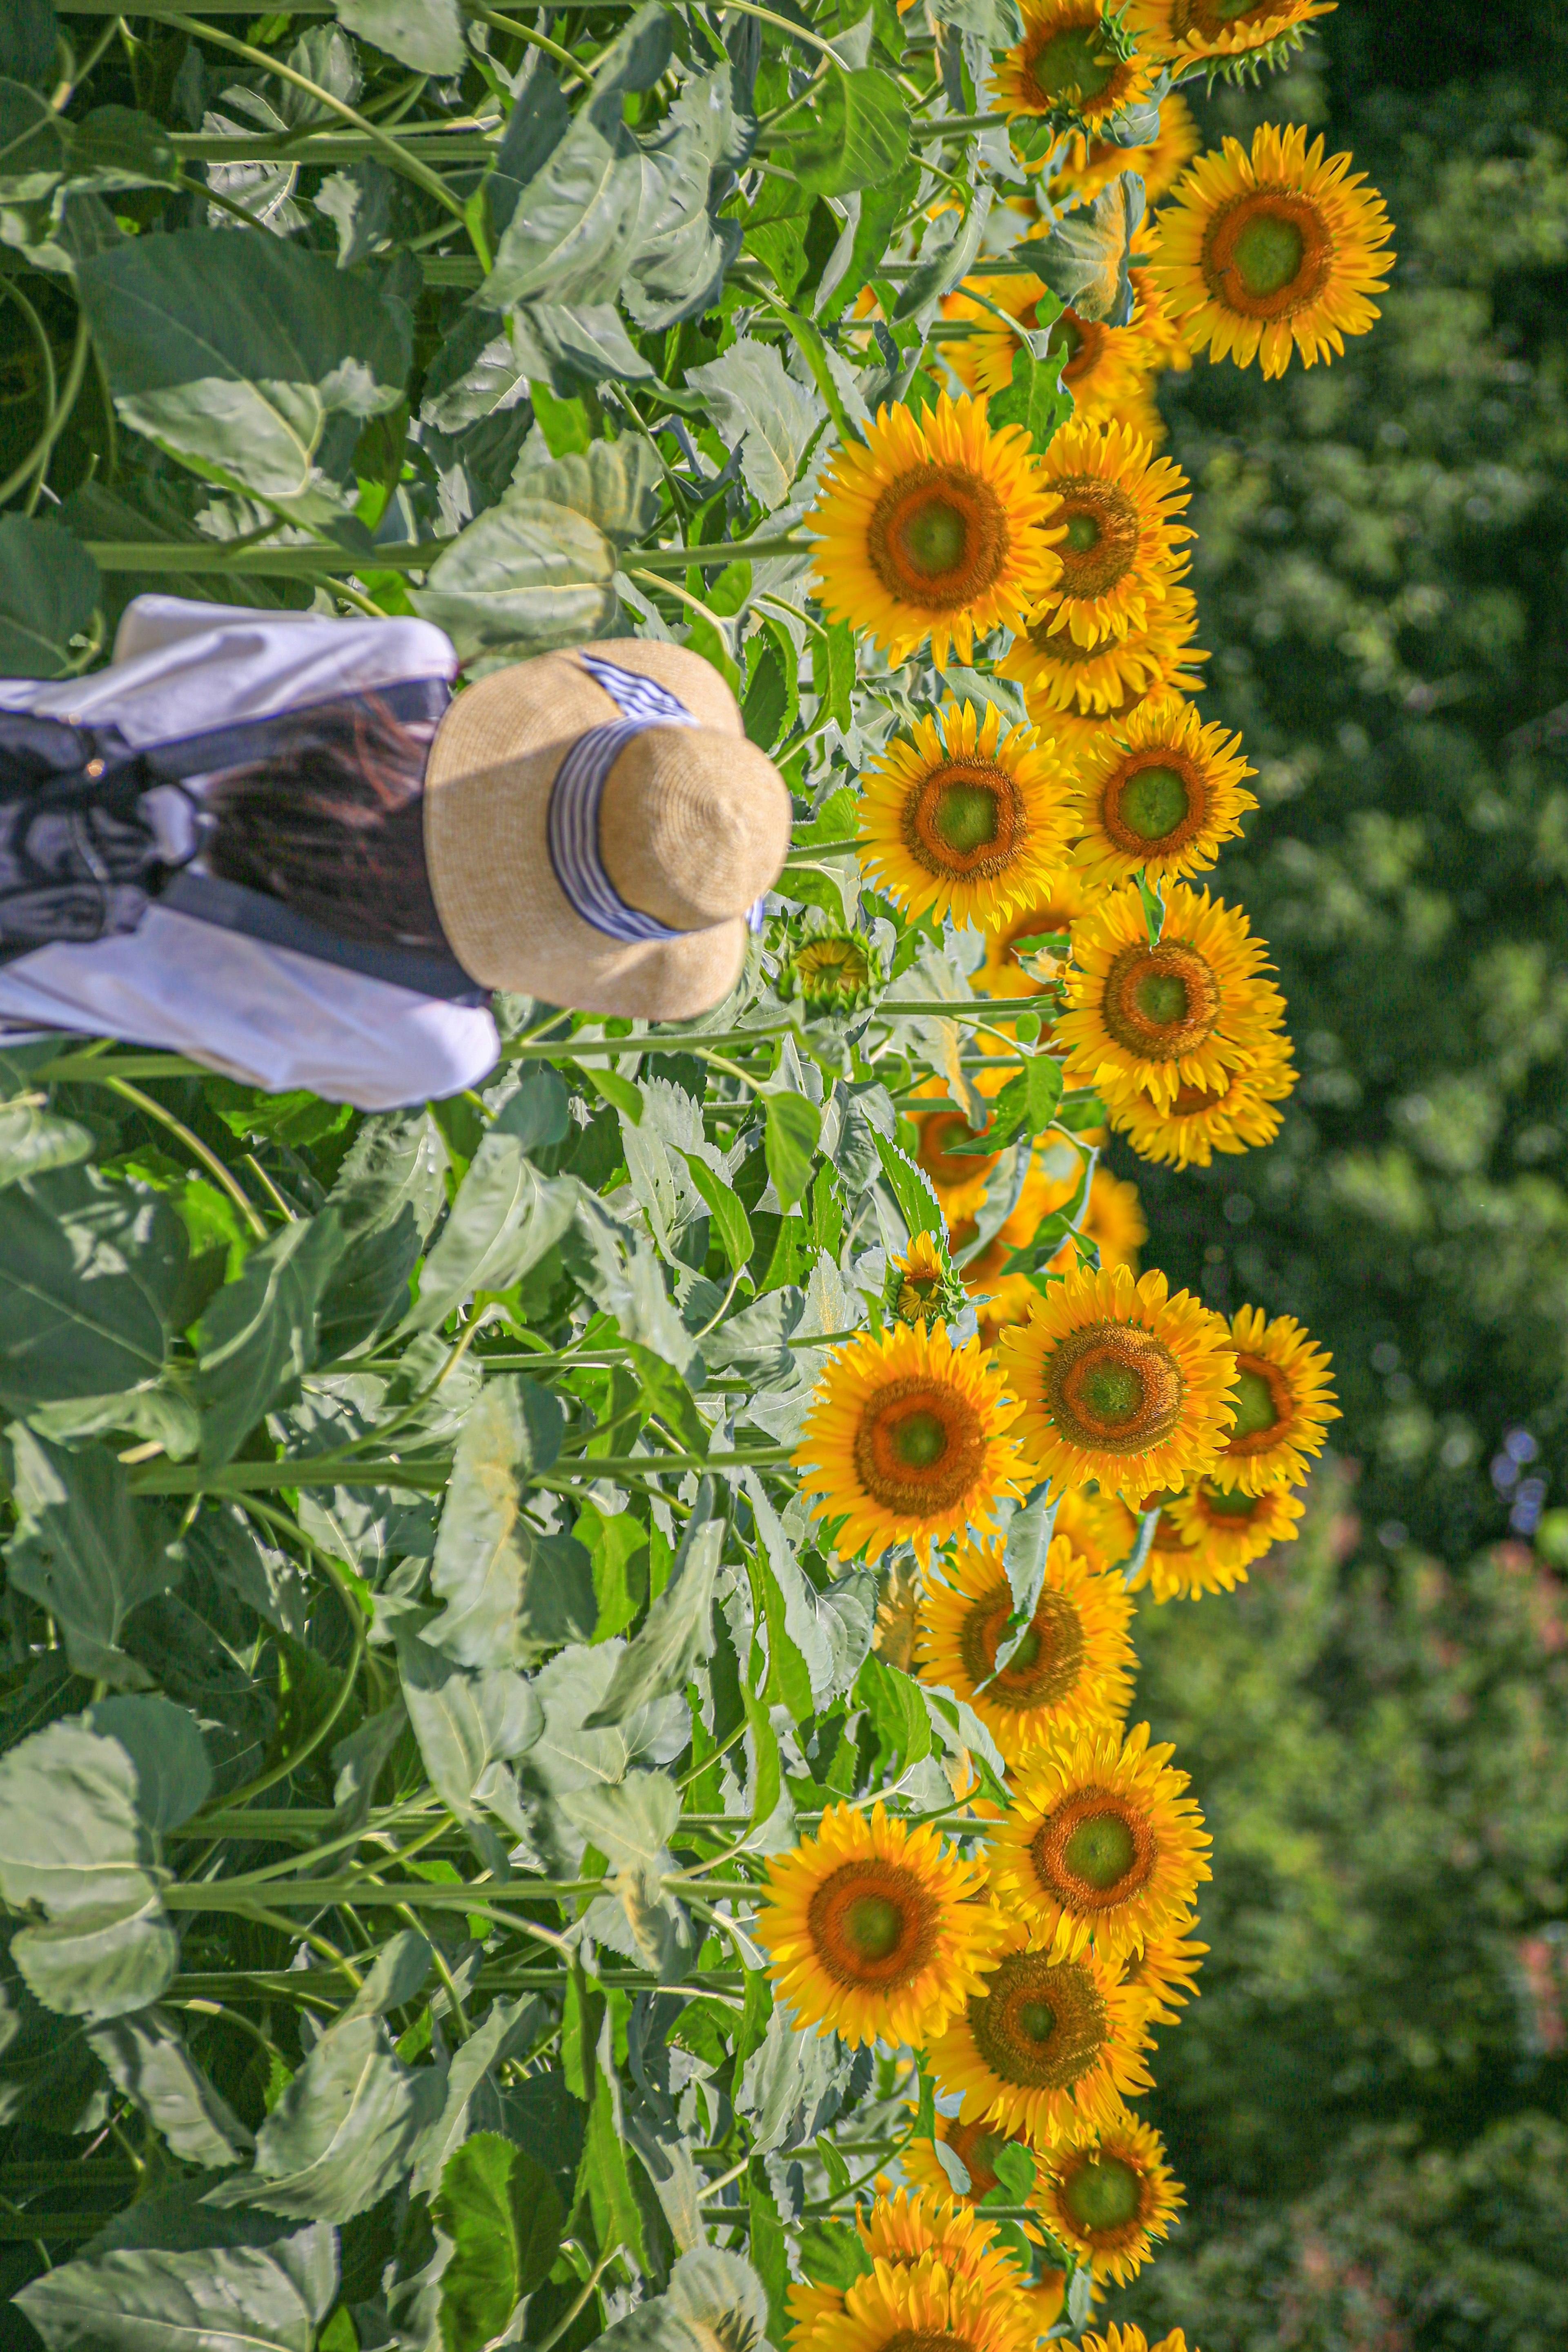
column 267, row 1015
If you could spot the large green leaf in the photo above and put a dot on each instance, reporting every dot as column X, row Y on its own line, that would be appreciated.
column 527, row 576
column 237, row 353
column 389, row 1193
column 614, row 483
column 258, row 1333
column 339, row 2137
column 468, row 1726
column 101, row 1963
column 88, row 1272
column 84, row 1550
column 571, row 346
column 505, row 1218
column 500, row 2210
column 146, row 2059
column 71, row 1836
column 48, row 590
column 473, row 2102
column 1085, row 260
column 757, row 406
column 857, row 137
column 425, row 34
column 213, row 2299
column 678, row 1630
column 511, row 1592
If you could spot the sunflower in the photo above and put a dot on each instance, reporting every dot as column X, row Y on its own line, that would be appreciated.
column 964, row 817
column 1101, row 684
column 1102, row 1527
column 1051, row 914
column 1069, row 62
column 907, row 1436
column 923, row 2304
column 1052, row 1179
column 874, row 1931
column 1051, row 2046
column 830, row 971
column 1110, row 2199
column 976, row 2147
column 958, row 1179
column 1121, row 1383
column 1161, row 796
column 1185, row 32
column 1165, row 1970
column 933, row 527
column 899, row 2229
column 1103, row 367
column 1233, row 1115
column 1156, row 1019
column 1283, row 1403
column 1121, row 546
column 1101, row 1843
column 1071, row 1666
column 1217, row 1533
column 1114, row 1221
column 1092, row 164
column 1261, row 253
column 921, row 1286
column 1133, row 2339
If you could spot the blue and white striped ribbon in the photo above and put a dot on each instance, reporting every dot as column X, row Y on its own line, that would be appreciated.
column 572, row 829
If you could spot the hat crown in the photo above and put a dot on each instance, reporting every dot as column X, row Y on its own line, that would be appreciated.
column 694, row 826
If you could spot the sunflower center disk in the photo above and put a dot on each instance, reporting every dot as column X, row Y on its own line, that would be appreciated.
column 948, row 1167
column 965, row 816
column 1114, row 1389
column 925, row 2339
column 1161, row 1002
column 1102, row 542
column 1045, row 1667
column 1042, row 2025
column 1100, row 1851
column 873, row 1926
column 965, row 819
column 938, row 538
column 1267, row 257
column 1268, row 254
column 1233, row 1506
column 919, row 1448
column 1102, row 2193
column 1153, row 803
column 1256, row 1408
column 1071, row 64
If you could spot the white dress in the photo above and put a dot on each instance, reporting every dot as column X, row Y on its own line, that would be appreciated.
column 264, row 1015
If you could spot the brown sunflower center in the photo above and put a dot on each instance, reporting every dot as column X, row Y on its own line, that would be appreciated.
column 1094, row 1852
column 1080, row 342
column 1266, row 256
column 938, row 537
column 920, row 1447
column 925, row 2339
column 1043, row 2022
column 965, row 818
column 1192, row 1101
column 1070, row 64
column 1160, row 1002
column 1048, row 1663
column 1262, row 1399
column 1102, row 2194
column 1112, row 1388
column 1216, row 1503
column 1102, row 534
column 976, row 2147
column 1154, row 802
column 946, row 1167
column 872, row 1924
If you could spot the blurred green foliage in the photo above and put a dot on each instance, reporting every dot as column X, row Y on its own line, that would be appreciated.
column 1369, row 2103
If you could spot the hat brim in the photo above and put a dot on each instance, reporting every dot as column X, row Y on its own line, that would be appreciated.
column 486, row 802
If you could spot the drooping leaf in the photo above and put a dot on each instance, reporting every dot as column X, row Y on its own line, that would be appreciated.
column 146, row 2060
column 259, row 1334
column 85, row 1550
column 789, row 1139
column 679, row 1629
column 527, row 576
column 387, row 1197
column 1086, row 259
column 425, row 34
column 500, row 2210
column 88, row 1273
column 505, row 1218
column 173, row 1774
column 763, row 412
column 340, row 2135
column 32, row 1141
column 616, row 484
column 472, row 2100
column 468, row 1726
column 858, row 134
column 511, row 1592
column 224, row 2299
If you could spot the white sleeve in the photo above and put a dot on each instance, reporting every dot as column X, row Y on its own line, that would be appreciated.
column 181, row 668
column 263, row 1014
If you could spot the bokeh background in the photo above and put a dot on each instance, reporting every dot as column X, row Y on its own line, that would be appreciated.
column 1369, row 2103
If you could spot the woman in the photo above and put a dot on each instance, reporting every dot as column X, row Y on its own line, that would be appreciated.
column 279, row 844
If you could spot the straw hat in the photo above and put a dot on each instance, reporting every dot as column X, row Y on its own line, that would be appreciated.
column 693, row 827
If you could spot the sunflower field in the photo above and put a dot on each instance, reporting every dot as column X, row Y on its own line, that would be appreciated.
column 565, row 1767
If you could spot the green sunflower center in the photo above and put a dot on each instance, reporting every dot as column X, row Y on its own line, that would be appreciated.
column 921, row 1441
column 935, row 538
column 1072, row 65
column 1234, row 1506
column 873, row 1926
column 1268, row 254
column 1161, row 997
column 1082, row 532
column 1042, row 2023
column 1027, row 1650
column 1037, row 2021
column 1112, row 1392
column 1254, row 1401
column 1100, row 1849
column 1152, row 803
column 1103, row 2193
column 966, row 817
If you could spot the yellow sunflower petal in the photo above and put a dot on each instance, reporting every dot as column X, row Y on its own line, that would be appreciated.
column 1101, row 684
column 1102, row 1527
column 1102, row 1843
column 933, row 527
column 1133, row 2339
column 1122, row 546
column 1236, row 1113
column 1186, row 31
column 1121, row 1383
column 907, row 1437
column 1214, row 1535
column 1110, row 2199
column 1092, row 164
column 1153, row 1019
column 1161, row 795
column 1051, row 2047
column 1164, row 1974
column 921, row 2303
column 1262, row 253
column 874, row 1931
column 1067, row 63
column 1073, row 1665
column 1114, row 1221
column 1103, row 368
column 966, row 817
column 1283, row 1403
